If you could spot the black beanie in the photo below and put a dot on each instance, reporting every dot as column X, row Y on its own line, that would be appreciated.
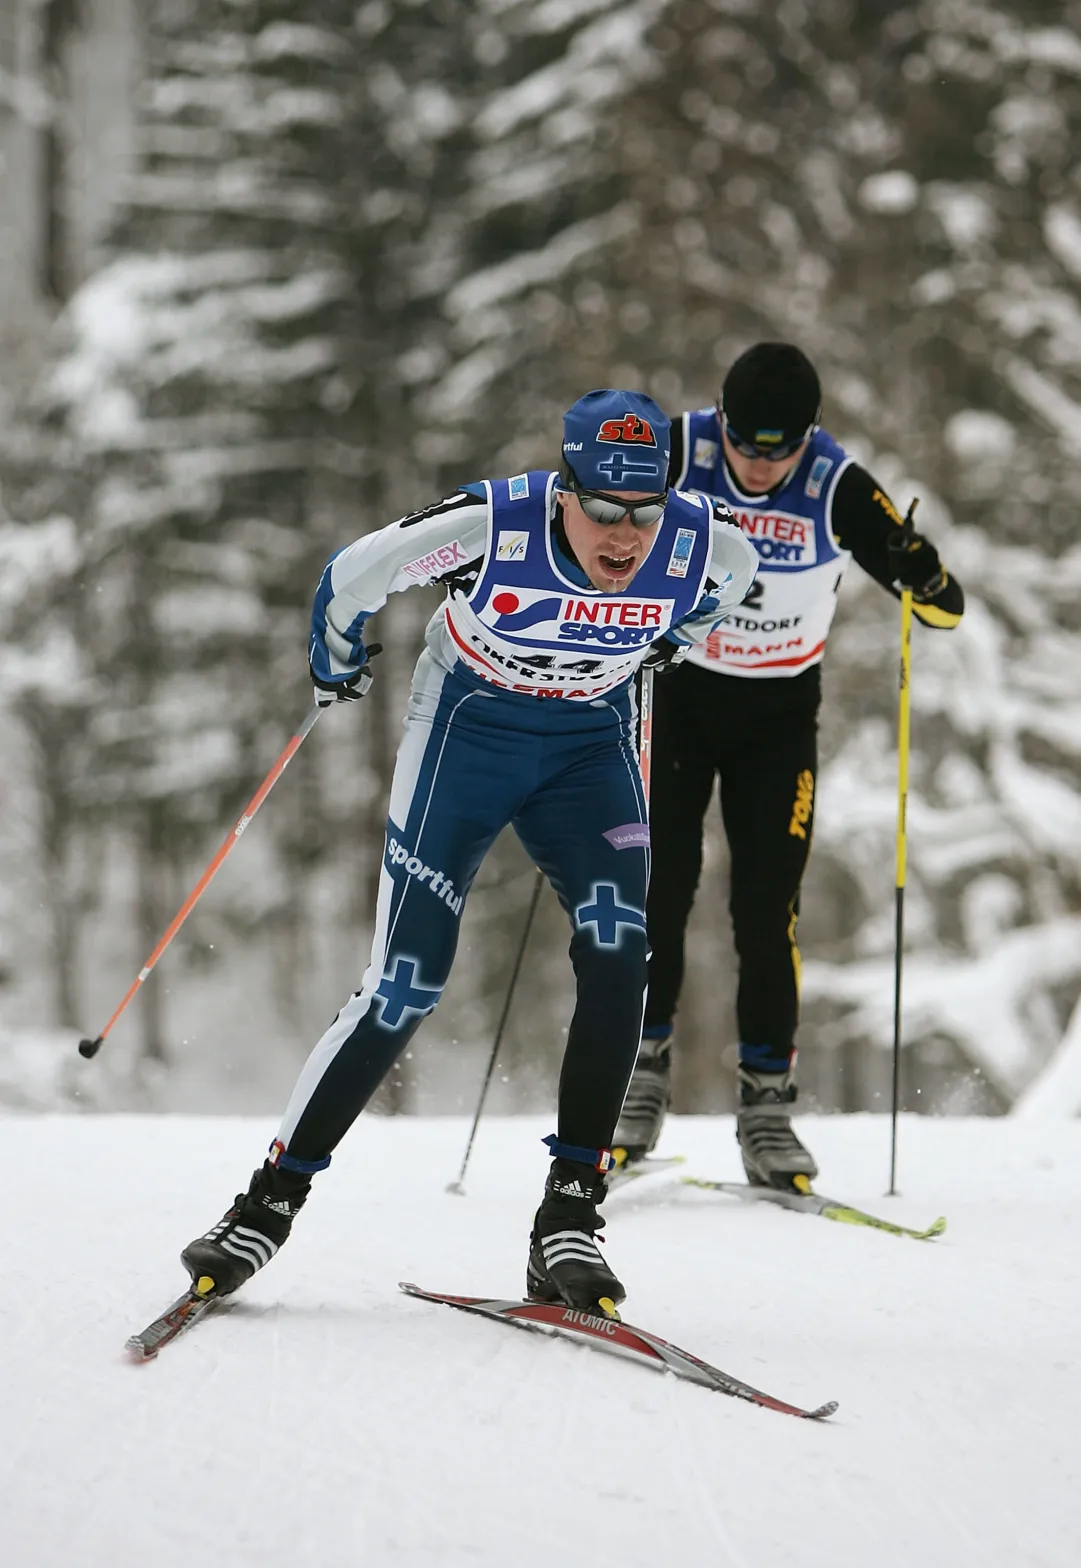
column 771, row 394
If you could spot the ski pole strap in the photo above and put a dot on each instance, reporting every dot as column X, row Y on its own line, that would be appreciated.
column 289, row 1162
column 600, row 1159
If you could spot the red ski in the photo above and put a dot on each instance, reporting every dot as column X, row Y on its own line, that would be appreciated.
column 184, row 1313
column 619, row 1339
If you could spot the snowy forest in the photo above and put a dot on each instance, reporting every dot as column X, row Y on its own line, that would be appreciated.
column 277, row 271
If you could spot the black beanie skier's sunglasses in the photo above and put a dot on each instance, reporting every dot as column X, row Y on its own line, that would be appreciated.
column 772, row 454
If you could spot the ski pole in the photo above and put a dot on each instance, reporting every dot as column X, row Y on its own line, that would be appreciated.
column 90, row 1048
column 903, row 732
column 645, row 731
column 538, row 883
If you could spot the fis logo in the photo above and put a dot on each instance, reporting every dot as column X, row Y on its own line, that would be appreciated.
column 511, row 545
column 629, row 428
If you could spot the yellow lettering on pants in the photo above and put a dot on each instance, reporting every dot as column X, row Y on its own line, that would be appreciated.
column 801, row 806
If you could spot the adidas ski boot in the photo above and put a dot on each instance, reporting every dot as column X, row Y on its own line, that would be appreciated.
column 772, row 1154
column 565, row 1263
column 648, row 1095
column 250, row 1233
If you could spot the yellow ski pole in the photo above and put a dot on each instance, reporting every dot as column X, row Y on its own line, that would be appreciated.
column 904, row 712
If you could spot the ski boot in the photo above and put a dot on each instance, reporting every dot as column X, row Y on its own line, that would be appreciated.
column 772, row 1154
column 250, row 1233
column 648, row 1095
column 565, row 1263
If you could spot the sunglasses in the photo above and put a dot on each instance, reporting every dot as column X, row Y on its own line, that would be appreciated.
column 604, row 509
column 772, row 454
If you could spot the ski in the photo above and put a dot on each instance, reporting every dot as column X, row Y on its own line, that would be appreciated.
column 185, row 1311
column 804, row 1201
column 611, row 1334
column 625, row 1171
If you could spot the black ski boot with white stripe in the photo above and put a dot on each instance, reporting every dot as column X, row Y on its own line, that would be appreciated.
column 648, row 1095
column 250, row 1233
column 772, row 1154
column 565, row 1263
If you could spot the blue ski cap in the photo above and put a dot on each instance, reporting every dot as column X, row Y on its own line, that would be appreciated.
column 616, row 440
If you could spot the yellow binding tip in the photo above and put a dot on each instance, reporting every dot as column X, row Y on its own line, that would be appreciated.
column 802, row 1184
column 608, row 1307
column 204, row 1285
column 619, row 1157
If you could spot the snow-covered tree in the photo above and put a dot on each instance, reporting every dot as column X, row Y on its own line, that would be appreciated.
column 373, row 251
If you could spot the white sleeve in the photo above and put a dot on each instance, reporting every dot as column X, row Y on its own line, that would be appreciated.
column 424, row 547
column 732, row 568
column 734, row 562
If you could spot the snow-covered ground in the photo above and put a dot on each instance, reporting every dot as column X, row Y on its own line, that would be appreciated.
column 326, row 1420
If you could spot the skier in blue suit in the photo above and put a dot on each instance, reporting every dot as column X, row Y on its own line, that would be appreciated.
column 559, row 586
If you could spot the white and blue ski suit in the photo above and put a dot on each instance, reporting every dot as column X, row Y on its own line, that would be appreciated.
column 522, row 711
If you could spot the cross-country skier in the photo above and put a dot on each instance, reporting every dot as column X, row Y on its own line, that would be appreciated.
column 522, row 711
column 744, row 707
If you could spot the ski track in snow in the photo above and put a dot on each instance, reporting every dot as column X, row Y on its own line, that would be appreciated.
column 324, row 1420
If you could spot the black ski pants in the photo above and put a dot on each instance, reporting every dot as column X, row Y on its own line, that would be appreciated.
column 759, row 737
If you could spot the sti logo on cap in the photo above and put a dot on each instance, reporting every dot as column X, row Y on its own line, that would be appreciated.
column 768, row 437
column 629, row 428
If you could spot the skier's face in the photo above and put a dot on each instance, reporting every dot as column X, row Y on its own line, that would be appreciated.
column 756, row 475
column 609, row 555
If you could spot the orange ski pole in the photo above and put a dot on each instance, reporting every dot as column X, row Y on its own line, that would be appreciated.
column 90, row 1048
column 645, row 732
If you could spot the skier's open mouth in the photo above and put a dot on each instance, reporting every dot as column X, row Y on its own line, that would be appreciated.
column 617, row 565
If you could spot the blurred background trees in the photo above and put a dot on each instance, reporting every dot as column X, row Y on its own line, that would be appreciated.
column 277, row 272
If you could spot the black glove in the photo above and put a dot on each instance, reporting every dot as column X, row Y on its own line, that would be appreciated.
column 664, row 655
column 914, row 563
column 352, row 688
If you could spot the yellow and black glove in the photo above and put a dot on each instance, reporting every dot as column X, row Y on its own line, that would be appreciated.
column 914, row 563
